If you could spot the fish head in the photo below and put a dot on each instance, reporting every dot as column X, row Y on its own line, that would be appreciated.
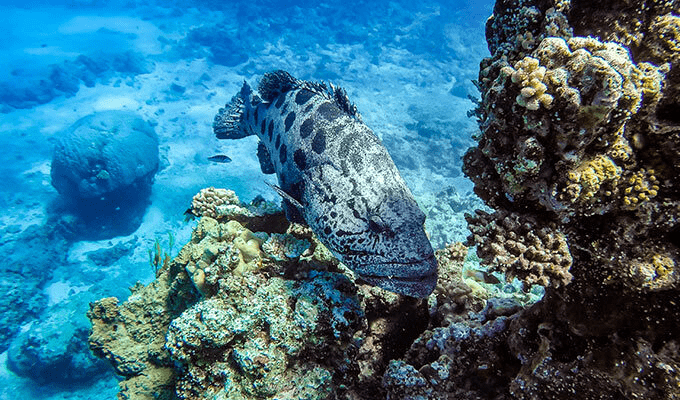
column 383, row 242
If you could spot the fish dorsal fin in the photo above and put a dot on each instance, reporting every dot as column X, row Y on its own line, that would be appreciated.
column 333, row 93
column 340, row 98
column 276, row 83
column 266, row 164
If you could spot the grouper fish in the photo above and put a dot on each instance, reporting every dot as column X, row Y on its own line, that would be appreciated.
column 335, row 176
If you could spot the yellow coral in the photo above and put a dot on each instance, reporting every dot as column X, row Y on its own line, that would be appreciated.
column 640, row 187
column 588, row 178
column 620, row 150
column 655, row 269
column 664, row 36
column 529, row 74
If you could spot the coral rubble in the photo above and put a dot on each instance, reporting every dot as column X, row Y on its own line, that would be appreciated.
column 578, row 155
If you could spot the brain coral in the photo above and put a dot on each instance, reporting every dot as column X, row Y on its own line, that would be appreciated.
column 103, row 153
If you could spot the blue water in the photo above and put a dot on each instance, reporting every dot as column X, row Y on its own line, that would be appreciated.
column 407, row 65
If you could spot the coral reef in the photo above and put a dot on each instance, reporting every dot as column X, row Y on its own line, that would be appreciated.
column 595, row 164
column 30, row 257
column 64, row 79
column 252, row 314
column 578, row 157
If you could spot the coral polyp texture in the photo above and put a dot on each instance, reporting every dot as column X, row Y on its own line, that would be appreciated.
column 516, row 245
column 578, row 156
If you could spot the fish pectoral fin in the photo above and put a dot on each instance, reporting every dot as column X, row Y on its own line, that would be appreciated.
column 292, row 207
column 286, row 196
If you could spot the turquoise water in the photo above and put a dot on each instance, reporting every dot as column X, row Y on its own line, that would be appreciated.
column 407, row 66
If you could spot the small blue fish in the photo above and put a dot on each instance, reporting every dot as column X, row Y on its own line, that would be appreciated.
column 219, row 158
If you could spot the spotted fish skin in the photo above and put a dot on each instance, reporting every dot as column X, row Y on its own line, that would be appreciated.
column 336, row 176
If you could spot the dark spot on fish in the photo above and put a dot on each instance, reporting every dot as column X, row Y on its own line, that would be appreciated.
column 328, row 111
column 334, row 214
column 306, row 128
column 295, row 190
column 303, row 96
column 255, row 114
column 271, row 129
column 289, row 120
column 319, row 142
column 300, row 160
column 284, row 109
column 308, row 108
column 283, row 153
column 356, row 214
column 264, row 126
column 327, row 230
column 278, row 141
column 280, row 100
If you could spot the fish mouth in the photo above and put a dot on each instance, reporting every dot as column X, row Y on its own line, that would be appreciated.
column 419, row 283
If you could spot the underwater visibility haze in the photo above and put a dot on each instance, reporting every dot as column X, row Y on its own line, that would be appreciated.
column 340, row 200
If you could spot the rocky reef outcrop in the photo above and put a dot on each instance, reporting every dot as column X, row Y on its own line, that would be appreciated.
column 578, row 156
column 252, row 308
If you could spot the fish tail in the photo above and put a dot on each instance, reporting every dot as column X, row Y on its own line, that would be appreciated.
column 229, row 121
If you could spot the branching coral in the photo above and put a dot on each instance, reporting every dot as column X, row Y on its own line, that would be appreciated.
column 529, row 76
